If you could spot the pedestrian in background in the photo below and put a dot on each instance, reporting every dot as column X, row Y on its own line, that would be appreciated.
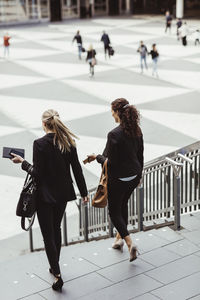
column 106, row 41
column 168, row 22
column 6, row 43
column 197, row 37
column 53, row 156
column 78, row 39
column 183, row 30
column 178, row 25
column 154, row 54
column 124, row 154
column 91, row 58
column 143, row 55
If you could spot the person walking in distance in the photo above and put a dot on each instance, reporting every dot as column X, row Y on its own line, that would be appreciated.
column 178, row 25
column 143, row 55
column 197, row 37
column 53, row 154
column 124, row 151
column 78, row 39
column 183, row 31
column 154, row 54
column 106, row 41
column 91, row 53
column 6, row 43
column 168, row 22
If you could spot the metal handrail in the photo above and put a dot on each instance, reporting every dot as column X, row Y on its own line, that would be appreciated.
column 170, row 187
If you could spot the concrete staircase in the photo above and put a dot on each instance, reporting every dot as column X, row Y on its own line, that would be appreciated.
column 167, row 268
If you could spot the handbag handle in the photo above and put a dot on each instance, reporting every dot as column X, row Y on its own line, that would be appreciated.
column 31, row 221
column 105, row 167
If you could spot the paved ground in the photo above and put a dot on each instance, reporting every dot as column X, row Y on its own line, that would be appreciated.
column 168, row 268
column 43, row 71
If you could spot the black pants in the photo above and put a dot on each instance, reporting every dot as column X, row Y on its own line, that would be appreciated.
column 50, row 217
column 168, row 26
column 91, row 69
column 184, row 41
column 119, row 193
column 106, row 49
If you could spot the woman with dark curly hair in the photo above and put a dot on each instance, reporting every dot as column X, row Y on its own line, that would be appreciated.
column 124, row 151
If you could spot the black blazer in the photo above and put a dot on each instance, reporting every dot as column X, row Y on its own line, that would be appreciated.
column 125, row 154
column 51, row 170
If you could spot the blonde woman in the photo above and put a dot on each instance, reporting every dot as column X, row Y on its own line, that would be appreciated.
column 52, row 156
column 91, row 53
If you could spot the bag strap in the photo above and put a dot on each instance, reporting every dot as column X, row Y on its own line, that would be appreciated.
column 105, row 167
column 30, row 222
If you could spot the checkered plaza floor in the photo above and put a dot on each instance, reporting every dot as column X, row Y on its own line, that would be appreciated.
column 43, row 71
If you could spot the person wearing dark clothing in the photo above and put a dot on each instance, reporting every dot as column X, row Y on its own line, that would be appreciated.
column 154, row 54
column 78, row 39
column 124, row 153
column 106, row 41
column 168, row 21
column 53, row 154
column 178, row 25
column 91, row 58
column 143, row 54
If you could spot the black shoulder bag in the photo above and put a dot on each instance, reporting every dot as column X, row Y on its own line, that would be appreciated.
column 26, row 207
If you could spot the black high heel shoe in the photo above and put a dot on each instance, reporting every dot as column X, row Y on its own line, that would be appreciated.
column 57, row 285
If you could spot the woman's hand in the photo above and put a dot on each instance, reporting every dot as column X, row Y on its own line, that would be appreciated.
column 85, row 199
column 17, row 159
column 90, row 158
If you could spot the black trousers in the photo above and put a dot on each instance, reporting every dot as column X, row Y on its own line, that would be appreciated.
column 119, row 193
column 106, row 49
column 184, row 41
column 50, row 217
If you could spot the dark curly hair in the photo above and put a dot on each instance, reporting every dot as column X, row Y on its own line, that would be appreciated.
column 129, row 117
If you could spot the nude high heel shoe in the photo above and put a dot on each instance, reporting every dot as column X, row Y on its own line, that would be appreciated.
column 118, row 244
column 133, row 253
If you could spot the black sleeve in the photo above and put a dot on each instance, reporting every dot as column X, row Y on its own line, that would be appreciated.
column 140, row 153
column 36, row 170
column 74, row 39
column 109, row 152
column 78, row 173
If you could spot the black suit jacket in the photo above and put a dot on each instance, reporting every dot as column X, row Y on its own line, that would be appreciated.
column 125, row 154
column 51, row 170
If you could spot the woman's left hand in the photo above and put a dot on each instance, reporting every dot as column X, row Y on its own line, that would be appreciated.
column 85, row 199
column 16, row 158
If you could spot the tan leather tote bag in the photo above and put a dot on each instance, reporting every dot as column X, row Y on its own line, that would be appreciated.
column 101, row 196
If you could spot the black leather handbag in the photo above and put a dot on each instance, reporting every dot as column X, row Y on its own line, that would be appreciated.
column 26, row 207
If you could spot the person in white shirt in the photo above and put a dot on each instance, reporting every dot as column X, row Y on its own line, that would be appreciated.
column 196, row 36
column 183, row 31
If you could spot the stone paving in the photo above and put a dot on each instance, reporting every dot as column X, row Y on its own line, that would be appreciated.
column 43, row 71
column 168, row 267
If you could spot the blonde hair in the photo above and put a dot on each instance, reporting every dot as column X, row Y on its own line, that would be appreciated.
column 90, row 47
column 63, row 136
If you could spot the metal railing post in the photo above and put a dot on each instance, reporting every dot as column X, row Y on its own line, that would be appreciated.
column 65, row 229
column 177, row 205
column 86, row 222
column 31, row 239
column 140, row 206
